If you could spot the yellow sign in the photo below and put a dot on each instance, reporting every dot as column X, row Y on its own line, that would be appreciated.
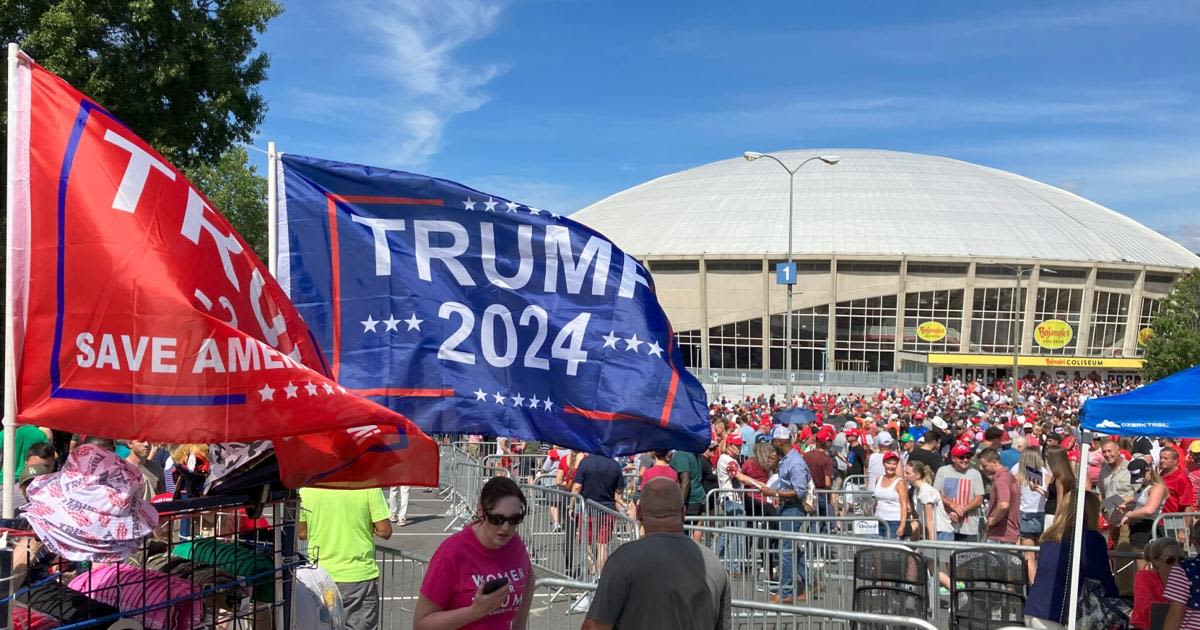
column 1053, row 334
column 1000, row 360
column 1144, row 336
column 931, row 331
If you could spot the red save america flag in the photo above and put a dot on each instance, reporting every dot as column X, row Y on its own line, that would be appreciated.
column 140, row 313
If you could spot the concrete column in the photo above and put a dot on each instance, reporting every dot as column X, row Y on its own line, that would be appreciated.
column 898, row 342
column 831, row 336
column 1134, row 321
column 968, row 312
column 1031, row 287
column 1085, row 314
column 766, row 322
column 704, row 313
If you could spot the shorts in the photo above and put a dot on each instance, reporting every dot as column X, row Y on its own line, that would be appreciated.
column 695, row 509
column 945, row 536
column 599, row 528
column 1031, row 525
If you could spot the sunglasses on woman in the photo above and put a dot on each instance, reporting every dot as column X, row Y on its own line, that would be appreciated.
column 500, row 519
column 1170, row 560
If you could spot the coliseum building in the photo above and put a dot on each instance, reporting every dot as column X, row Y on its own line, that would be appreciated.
column 906, row 270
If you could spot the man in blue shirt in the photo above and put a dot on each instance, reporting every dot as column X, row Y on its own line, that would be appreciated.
column 747, row 435
column 793, row 488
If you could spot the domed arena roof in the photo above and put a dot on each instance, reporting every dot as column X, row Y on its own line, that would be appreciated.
column 872, row 203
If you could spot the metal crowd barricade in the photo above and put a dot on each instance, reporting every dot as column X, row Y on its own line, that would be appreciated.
column 849, row 502
column 558, row 611
column 1176, row 525
column 400, row 577
column 523, row 467
column 568, row 536
column 842, row 525
column 466, row 481
column 477, row 450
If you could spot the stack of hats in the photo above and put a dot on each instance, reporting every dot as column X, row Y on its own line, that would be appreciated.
column 91, row 509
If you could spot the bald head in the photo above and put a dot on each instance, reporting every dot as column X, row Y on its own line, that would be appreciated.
column 661, row 506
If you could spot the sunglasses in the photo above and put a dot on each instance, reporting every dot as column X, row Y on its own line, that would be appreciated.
column 1170, row 560
column 500, row 519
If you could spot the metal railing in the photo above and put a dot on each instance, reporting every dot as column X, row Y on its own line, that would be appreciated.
column 562, row 610
column 1176, row 525
column 569, row 536
column 400, row 577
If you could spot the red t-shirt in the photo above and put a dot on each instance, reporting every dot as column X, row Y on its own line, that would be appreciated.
column 1147, row 590
column 1179, row 491
column 462, row 563
column 751, row 469
column 656, row 471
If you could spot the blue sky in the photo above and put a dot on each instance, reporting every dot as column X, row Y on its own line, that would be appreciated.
column 561, row 103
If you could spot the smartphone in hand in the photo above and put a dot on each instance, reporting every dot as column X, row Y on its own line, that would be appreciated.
column 495, row 585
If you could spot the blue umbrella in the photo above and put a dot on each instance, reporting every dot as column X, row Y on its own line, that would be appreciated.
column 795, row 415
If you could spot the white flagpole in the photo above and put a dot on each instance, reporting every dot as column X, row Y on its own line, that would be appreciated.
column 272, row 208
column 10, row 367
column 1077, row 534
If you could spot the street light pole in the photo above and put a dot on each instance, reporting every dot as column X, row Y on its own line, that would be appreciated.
column 787, row 320
column 1020, row 330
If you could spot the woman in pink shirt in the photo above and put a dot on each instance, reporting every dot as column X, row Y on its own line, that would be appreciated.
column 487, row 550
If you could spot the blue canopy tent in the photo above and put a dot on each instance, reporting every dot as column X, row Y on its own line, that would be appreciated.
column 1168, row 407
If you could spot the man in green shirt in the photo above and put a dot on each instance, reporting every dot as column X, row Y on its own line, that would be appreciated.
column 339, row 525
column 687, row 466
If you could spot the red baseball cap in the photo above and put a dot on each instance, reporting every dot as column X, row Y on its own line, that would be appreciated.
column 734, row 439
column 960, row 450
column 851, row 433
column 890, row 455
column 826, row 434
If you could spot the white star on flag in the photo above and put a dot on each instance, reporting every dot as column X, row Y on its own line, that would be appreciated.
column 413, row 322
column 391, row 322
column 632, row 343
column 512, row 207
column 489, row 205
column 469, row 204
column 290, row 390
column 480, row 394
column 533, row 402
column 311, row 389
column 653, row 349
column 369, row 324
column 341, row 389
column 499, row 399
column 547, row 404
column 328, row 389
column 610, row 340
column 518, row 400
column 267, row 393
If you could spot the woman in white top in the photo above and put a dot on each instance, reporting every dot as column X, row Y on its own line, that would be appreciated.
column 891, row 497
column 933, row 512
column 1034, row 480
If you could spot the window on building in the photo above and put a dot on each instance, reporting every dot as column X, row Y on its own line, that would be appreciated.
column 1159, row 282
column 1150, row 309
column 868, row 267
column 994, row 319
column 936, row 315
column 691, row 346
column 736, row 346
column 812, row 267
column 674, row 266
column 810, row 333
column 936, row 269
column 1110, row 314
column 1061, row 304
column 734, row 266
column 866, row 334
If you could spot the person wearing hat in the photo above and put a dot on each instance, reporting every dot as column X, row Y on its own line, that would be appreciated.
column 962, row 493
column 794, row 478
column 28, row 474
column 884, row 443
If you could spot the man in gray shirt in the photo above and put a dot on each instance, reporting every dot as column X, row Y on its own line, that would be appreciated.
column 665, row 579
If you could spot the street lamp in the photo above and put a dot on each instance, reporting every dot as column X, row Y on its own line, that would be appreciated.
column 830, row 160
column 1020, row 327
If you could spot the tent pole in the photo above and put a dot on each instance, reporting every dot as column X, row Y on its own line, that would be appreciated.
column 1077, row 533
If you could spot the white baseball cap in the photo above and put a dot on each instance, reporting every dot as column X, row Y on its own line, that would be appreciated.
column 939, row 423
column 781, row 432
column 884, row 438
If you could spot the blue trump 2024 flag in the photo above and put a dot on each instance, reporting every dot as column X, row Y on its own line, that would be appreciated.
column 470, row 313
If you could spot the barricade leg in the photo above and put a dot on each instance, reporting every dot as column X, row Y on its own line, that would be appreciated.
column 731, row 548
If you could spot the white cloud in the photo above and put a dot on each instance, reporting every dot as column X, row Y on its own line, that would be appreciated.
column 407, row 50
column 1187, row 235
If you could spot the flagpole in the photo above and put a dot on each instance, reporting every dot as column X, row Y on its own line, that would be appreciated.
column 272, row 207
column 10, row 368
column 1077, row 533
